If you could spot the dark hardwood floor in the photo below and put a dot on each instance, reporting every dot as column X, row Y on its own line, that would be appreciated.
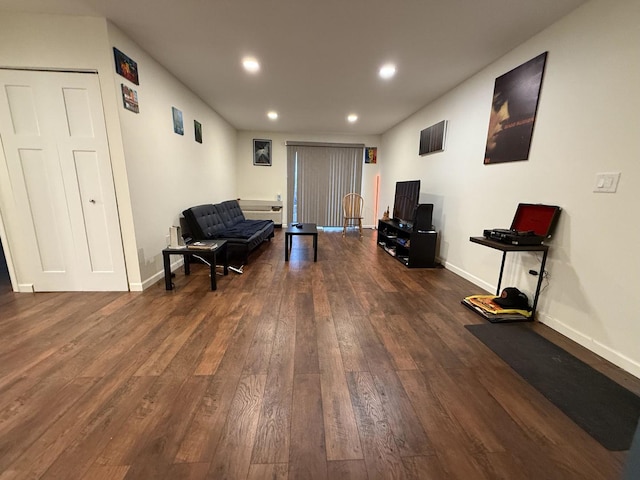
column 353, row 367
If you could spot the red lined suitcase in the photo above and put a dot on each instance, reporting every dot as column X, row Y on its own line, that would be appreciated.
column 531, row 225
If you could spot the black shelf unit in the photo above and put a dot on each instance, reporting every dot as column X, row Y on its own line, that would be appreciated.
column 410, row 246
column 505, row 248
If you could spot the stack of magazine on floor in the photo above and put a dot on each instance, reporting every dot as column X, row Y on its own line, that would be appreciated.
column 203, row 245
column 485, row 306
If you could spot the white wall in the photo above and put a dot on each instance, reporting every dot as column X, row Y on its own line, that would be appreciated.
column 265, row 183
column 168, row 172
column 588, row 121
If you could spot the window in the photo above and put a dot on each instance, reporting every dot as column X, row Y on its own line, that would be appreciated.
column 319, row 175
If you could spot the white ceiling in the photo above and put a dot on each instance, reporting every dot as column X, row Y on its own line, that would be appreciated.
column 319, row 58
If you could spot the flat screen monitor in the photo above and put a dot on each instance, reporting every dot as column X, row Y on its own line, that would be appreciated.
column 406, row 201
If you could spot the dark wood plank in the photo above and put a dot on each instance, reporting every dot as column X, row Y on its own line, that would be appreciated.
column 268, row 471
column 381, row 454
column 307, row 457
column 233, row 455
column 341, row 433
column 272, row 436
column 347, row 470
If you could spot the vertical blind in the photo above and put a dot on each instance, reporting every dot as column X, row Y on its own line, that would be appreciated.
column 318, row 176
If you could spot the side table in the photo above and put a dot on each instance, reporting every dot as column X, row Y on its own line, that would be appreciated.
column 504, row 248
column 219, row 251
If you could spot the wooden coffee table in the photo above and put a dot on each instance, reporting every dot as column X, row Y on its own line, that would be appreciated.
column 301, row 229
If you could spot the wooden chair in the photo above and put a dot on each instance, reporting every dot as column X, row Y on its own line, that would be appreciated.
column 352, row 208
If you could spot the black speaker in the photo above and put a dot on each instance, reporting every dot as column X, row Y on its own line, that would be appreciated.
column 424, row 217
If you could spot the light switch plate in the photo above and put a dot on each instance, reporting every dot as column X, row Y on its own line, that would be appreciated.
column 607, row 182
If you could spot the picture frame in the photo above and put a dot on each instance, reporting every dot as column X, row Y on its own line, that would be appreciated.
column 125, row 66
column 197, row 129
column 371, row 155
column 513, row 113
column 432, row 139
column 178, row 125
column 262, row 152
column 130, row 99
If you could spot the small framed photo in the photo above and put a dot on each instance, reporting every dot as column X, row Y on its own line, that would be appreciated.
column 197, row 128
column 371, row 155
column 178, row 125
column 125, row 66
column 262, row 152
column 130, row 99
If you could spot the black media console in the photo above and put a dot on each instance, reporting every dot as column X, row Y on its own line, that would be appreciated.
column 413, row 247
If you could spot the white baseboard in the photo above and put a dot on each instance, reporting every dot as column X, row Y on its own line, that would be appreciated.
column 606, row 352
column 25, row 288
column 589, row 343
column 158, row 276
column 472, row 278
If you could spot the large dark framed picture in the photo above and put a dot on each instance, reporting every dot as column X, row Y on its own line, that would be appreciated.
column 125, row 66
column 513, row 112
column 432, row 138
column 262, row 152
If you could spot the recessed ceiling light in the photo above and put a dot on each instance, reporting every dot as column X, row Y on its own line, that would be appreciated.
column 387, row 71
column 352, row 117
column 250, row 64
column 272, row 115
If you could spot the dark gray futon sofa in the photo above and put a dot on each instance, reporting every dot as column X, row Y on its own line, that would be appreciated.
column 226, row 221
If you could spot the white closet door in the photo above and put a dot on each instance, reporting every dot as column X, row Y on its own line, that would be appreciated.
column 57, row 185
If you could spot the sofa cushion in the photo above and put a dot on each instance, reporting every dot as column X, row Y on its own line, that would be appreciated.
column 204, row 222
column 230, row 212
column 246, row 229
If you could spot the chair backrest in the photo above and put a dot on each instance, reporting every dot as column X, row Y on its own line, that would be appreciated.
column 352, row 205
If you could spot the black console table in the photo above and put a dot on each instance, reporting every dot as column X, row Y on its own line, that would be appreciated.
column 504, row 248
column 210, row 255
column 300, row 229
column 413, row 247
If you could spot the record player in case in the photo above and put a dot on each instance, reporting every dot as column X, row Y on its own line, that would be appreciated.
column 531, row 225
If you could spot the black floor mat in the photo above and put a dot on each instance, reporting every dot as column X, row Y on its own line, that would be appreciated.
column 603, row 408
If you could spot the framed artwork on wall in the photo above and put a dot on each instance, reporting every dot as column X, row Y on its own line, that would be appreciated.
column 130, row 99
column 432, row 138
column 125, row 66
column 513, row 112
column 371, row 155
column 197, row 128
column 262, row 152
column 178, row 125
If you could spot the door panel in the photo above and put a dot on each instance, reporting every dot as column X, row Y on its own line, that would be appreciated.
column 39, row 204
column 79, row 121
column 93, row 212
column 22, row 110
column 64, row 222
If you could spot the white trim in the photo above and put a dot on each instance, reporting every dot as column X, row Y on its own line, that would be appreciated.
column 25, row 288
column 158, row 276
column 472, row 278
column 589, row 343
